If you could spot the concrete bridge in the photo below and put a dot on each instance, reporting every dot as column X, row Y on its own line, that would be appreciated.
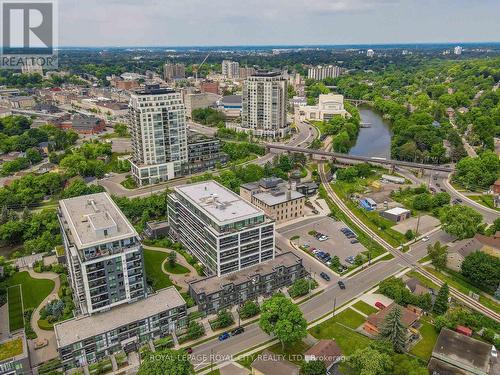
column 372, row 160
column 358, row 102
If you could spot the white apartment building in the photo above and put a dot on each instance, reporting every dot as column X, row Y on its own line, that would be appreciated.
column 103, row 253
column 225, row 232
column 370, row 53
column 457, row 50
column 329, row 105
column 231, row 69
column 321, row 72
column 264, row 103
column 159, row 134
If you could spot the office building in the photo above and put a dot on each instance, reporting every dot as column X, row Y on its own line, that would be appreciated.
column 159, row 135
column 225, row 232
column 329, row 105
column 204, row 153
column 275, row 198
column 173, row 71
column 457, row 50
column 321, row 72
column 370, row 53
column 230, row 69
column 90, row 338
column 213, row 293
column 103, row 253
column 264, row 103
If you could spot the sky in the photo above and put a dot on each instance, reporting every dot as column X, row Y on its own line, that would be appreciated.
column 275, row 22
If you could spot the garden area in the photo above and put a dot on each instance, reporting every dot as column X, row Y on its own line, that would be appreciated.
column 11, row 348
column 155, row 276
column 25, row 292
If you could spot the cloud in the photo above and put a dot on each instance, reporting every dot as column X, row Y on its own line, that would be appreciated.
column 209, row 22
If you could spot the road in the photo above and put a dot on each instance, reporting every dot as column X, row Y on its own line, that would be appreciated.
column 316, row 307
column 468, row 301
column 303, row 138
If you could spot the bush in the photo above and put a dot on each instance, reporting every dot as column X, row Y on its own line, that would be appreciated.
column 249, row 309
column 301, row 287
column 194, row 330
column 224, row 319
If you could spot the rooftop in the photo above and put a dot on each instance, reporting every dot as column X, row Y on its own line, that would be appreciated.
column 397, row 211
column 217, row 202
column 408, row 317
column 154, row 90
column 489, row 245
column 457, row 350
column 214, row 284
column 261, row 73
column 95, row 219
column 277, row 196
column 13, row 348
column 80, row 328
column 325, row 350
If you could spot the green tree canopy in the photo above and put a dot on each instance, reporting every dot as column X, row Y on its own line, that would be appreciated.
column 166, row 362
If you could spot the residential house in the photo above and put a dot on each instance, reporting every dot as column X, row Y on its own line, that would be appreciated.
column 410, row 315
column 461, row 249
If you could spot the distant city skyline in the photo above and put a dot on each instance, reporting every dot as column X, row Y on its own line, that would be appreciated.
column 135, row 23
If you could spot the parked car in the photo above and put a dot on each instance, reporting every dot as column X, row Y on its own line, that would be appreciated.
column 224, row 336
column 353, row 241
column 349, row 236
column 341, row 284
column 379, row 305
column 325, row 276
column 350, row 259
column 189, row 350
column 425, row 238
column 322, row 238
column 237, row 331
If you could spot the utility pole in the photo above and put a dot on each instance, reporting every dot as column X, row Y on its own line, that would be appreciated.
column 334, row 306
column 416, row 230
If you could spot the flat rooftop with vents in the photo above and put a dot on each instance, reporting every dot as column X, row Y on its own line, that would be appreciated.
column 94, row 219
column 219, row 203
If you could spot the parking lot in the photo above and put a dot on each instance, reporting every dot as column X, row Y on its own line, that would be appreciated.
column 336, row 244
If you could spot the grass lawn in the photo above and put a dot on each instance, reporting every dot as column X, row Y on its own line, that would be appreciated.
column 16, row 317
column 152, row 263
column 350, row 318
column 176, row 268
column 11, row 348
column 349, row 341
column 364, row 307
column 425, row 259
column 455, row 280
column 129, row 183
column 34, row 290
column 292, row 353
column 423, row 349
column 485, row 200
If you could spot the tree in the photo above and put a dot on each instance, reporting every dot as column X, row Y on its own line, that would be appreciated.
column 409, row 235
column 33, row 155
column 314, row 368
column 369, row 361
column 301, row 287
column 393, row 329
column 441, row 302
column 249, row 309
column 406, row 365
column 166, row 361
column 482, row 270
column 438, row 254
column 224, row 319
column 172, row 258
column 283, row 319
column 195, row 330
column 460, row 221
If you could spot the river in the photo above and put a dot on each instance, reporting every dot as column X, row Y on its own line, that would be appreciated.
column 374, row 140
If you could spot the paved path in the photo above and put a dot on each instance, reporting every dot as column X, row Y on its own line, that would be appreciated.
column 180, row 280
column 49, row 351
